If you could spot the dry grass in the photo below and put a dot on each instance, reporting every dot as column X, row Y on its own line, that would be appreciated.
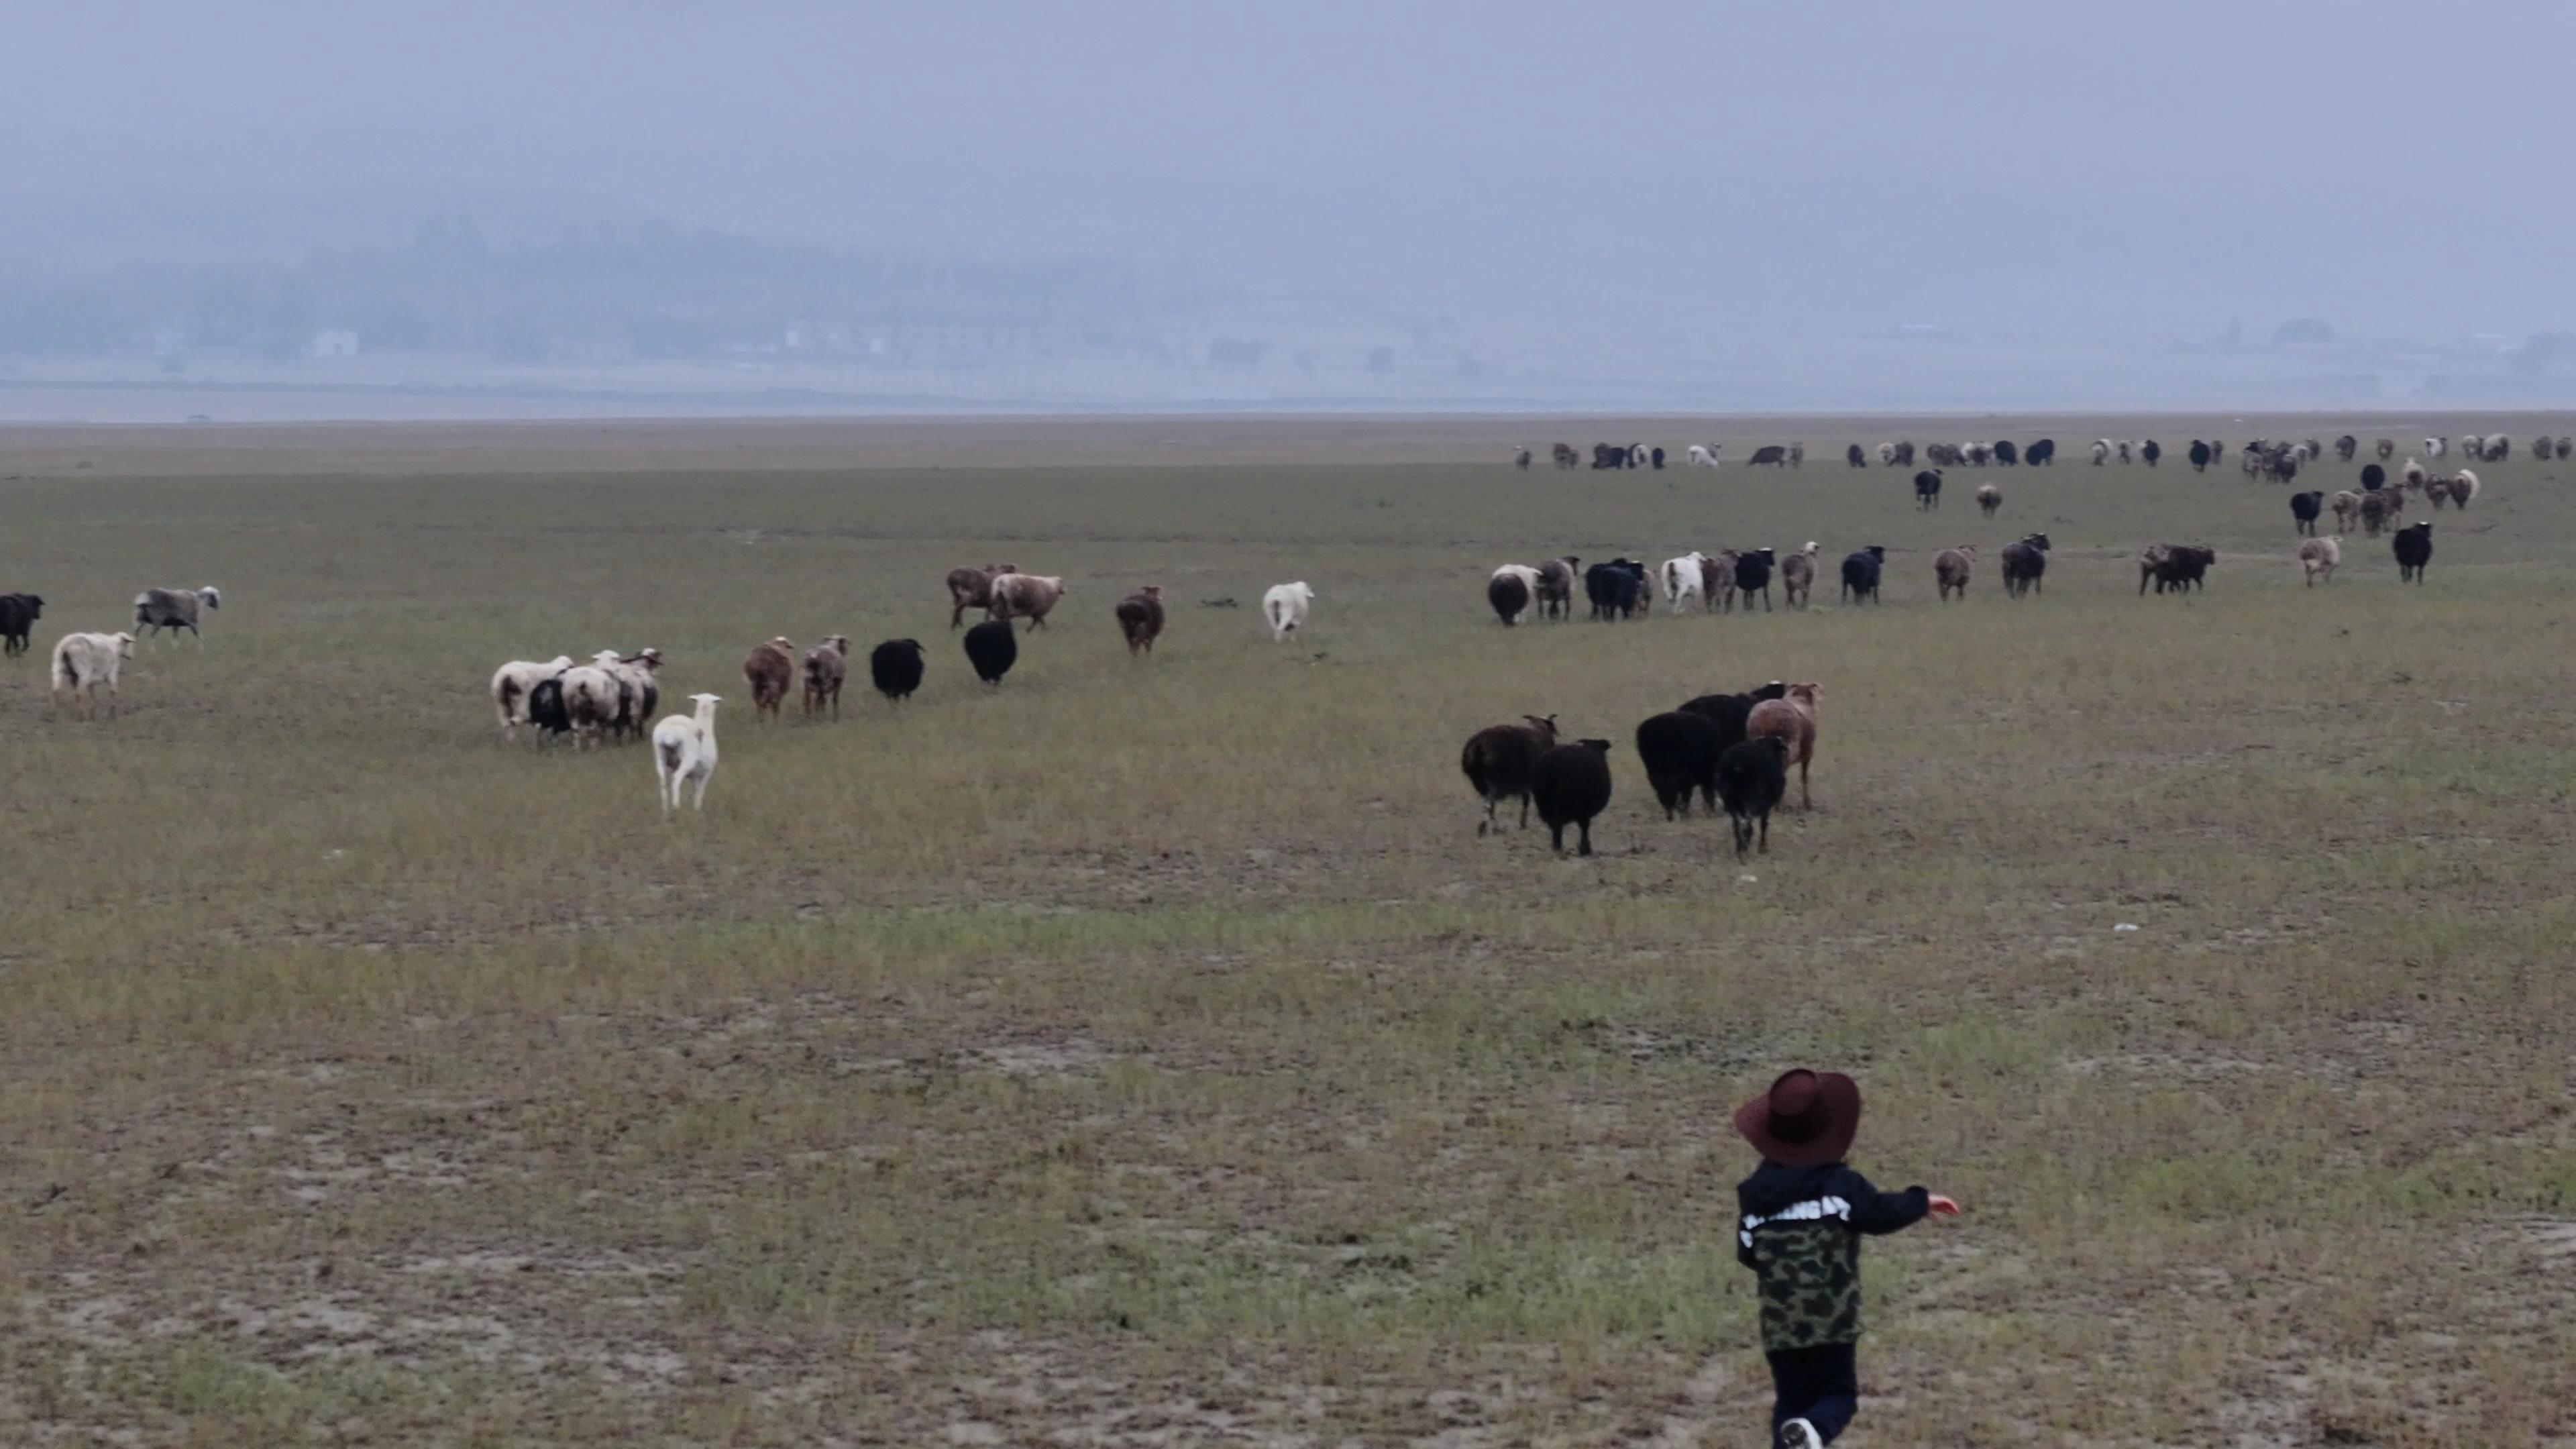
column 1149, row 1052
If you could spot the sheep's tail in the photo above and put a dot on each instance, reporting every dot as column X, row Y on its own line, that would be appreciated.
column 66, row 673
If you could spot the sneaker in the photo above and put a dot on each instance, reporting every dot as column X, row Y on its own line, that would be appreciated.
column 1799, row 1434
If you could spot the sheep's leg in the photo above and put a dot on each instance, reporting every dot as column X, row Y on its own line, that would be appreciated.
column 1585, row 846
column 703, row 777
column 1806, row 801
column 1524, row 810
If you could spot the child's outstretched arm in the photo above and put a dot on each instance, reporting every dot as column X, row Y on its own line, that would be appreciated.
column 1873, row 1211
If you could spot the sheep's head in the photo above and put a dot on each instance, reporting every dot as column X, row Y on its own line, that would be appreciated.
column 213, row 596
column 125, row 642
column 1154, row 592
column 1545, row 725
column 702, row 701
column 1805, row 694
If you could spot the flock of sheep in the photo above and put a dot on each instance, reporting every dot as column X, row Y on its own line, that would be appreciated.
column 87, row 666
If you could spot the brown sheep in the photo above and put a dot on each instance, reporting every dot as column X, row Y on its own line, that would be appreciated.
column 1951, row 569
column 2347, row 507
column 1556, row 587
column 2376, row 508
column 2319, row 557
column 1717, row 581
column 1030, row 596
column 2386, row 448
column 826, row 665
column 1989, row 498
column 2463, row 487
column 1140, row 615
column 1792, row 719
column 769, row 668
column 972, row 589
column 1798, row 576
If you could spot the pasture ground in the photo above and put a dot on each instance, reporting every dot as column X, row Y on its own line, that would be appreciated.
column 1149, row 1052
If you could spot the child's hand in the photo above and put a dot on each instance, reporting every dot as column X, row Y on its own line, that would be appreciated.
column 1944, row 1207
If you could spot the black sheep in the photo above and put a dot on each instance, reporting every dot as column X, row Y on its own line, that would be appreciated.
column 1854, row 456
column 2024, row 564
column 546, row 708
column 1571, row 785
column 1498, row 761
column 1751, row 777
column 1927, row 488
column 992, row 647
column 18, row 616
column 1510, row 596
column 1753, row 576
column 1616, row 588
column 2006, row 455
column 1658, row 457
column 2414, row 545
column 2149, row 451
column 2043, row 452
column 2199, row 456
column 895, row 667
column 1679, row 751
column 2304, row 508
column 1860, row 573
column 2373, row 477
column 1729, row 711
column 2182, row 567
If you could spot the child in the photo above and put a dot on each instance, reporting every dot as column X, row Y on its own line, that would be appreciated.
column 1803, row 1214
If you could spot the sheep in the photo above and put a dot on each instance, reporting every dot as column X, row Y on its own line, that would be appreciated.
column 1140, row 618
column 972, row 589
column 1571, row 785
column 2347, row 508
column 1730, row 711
column 2464, row 486
column 86, row 663
column 1904, row 453
column 1951, row 569
column 2042, row 454
column 2199, row 456
column 1855, row 457
column 1751, row 777
column 2414, row 549
column 1564, row 455
column 827, row 665
column 2413, row 474
column 2499, row 448
column 2386, row 448
column 684, row 750
column 1702, row 455
column 1509, row 589
column 1657, row 456
column 992, row 648
column 1770, row 456
column 1791, row 719
column 2434, row 448
column 2345, row 447
column 1617, row 589
column 18, row 616
column 2376, row 510
column 1860, row 573
column 2304, row 508
column 174, row 609
column 2006, row 455
column 1927, row 489
column 2319, row 557
column 1887, row 455
column 1989, row 498
column 545, row 708
column 1498, row 760
column 1521, row 459
column 768, row 668
column 1285, row 607
column 2540, row 449
column 592, row 699
column 1753, row 576
column 1685, row 578
column 1679, row 750
column 894, row 667
column 2176, row 566
column 638, row 689
column 2125, row 446
column 1717, row 580
column 1556, row 587
column 2373, row 477
column 1942, row 455
column 2024, row 564
column 1797, row 455
column 1030, row 596
column 1798, row 576
column 2566, row 446
column 511, row 685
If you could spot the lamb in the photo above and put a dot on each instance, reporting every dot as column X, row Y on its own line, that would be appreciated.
column 1140, row 618
column 1753, row 576
column 513, row 682
column 1285, row 607
column 2024, row 563
column 1498, row 761
column 1521, row 459
column 1030, row 596
column 2464, row 486
column 2304, row 508
column 1904, row 453
column 1571, row 785
column 973, row 589
column 1798, row 576
column 2386, row 448
column 768, row 668
column 1658, row 457
column 1679, row 750
column 827, row 665
column 1730, row 711
column 86, row 663
column 1797, row 455
column 1860, row 573
column 1556, row 587
column 1685, row 578
column 1751, row 777
column 1927, row 488
column 2347, row 507
column 684, row 750
column 894, row 667
column 1951, row 569
column 174, row 609
column 992, row 648
column 2318, row 558
column 1989, row 498
column 18, row 616
column 2414, row 548
column 1791, row 719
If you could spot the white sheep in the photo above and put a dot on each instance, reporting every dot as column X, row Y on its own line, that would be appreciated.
column 1285, row 607
column 1682, row 579
column 1703, row 455
column 511, row 685
column 2319, row 557
column 684, row 749
column 2101, row 451
column 592, row 698
column 174, row 610
column 85, row 662
column 2436, row 447
column 2413, row 475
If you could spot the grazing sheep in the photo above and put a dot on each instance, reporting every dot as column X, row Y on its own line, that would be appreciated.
column 1285, row 607
column 1771, row 456
column 2373, row 477
column 1927, row 489
column 86, row 663
column 2199, row 456
column 1751, row 777
column 1860, row 573
column 1951, row 569
column 2304, row 508
column 2006, row 455
column 1679, row 750
column 513, row 682
column 973, row 589
column 2318, row 558
column 827, row 666
column 768, row 668
column 1617, row 589
column 2024, row 564
column 1571, row 785
column 1729, row 712
column 173, row 609
column 1943, row 455
column 1798, row 576
column 1855, row 457
column 1521, row 459
column 2042, row 454
column 2347, row 508
column 684, row 751
column 1989, row 498
column 2376, row 510
column 2498, row 448
column 1977, row 455
column 1510, row 591
column 18, row 616
column 2414, row 548
column 1791, row 718
column 1753, row 576
column 895, row 668
column 2464, row 486
column 2540, row 449
column 2565, row 447
column 2386, row 448
column 1564, row 455
column 1905, row 453
column 1702, row 455
column 1498, row 760
column 1029, row 596
column 2345, row 447
column 992, row 648
column 1556, row 587
column 1685, row 578
column 1140, row 618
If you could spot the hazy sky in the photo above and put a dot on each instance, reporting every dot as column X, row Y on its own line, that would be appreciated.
column 2005, row 164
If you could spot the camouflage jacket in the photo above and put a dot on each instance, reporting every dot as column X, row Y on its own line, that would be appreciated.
column 1798, row 1229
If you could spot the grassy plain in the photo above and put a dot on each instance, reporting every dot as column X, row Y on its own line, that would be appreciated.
column 1148, row 1052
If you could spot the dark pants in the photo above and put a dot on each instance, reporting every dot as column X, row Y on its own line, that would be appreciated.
column 1819, row 1385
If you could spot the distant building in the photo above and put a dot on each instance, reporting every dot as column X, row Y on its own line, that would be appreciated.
column 332, row 342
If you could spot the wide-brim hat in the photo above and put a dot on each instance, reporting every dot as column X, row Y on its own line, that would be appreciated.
column 1806, row 1120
